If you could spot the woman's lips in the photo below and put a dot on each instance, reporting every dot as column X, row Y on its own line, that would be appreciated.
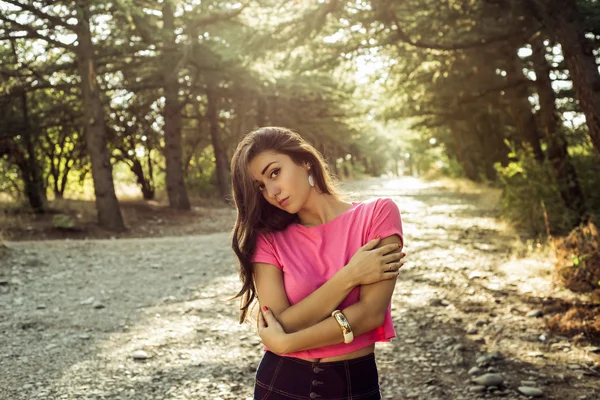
column 284, row 202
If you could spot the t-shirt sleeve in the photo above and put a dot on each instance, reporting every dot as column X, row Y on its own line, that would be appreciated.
column 386, row 219
column 265, row 252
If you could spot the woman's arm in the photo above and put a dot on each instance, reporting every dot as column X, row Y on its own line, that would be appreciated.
column 364, row 267
column 309, row 311
column 364, row 316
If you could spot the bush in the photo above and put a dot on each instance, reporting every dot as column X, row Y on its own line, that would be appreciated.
column 530, row 197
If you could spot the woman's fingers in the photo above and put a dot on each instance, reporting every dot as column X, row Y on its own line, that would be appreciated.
column 388, row 248
column 393, row 257
column 393, row 267
column 261, row 321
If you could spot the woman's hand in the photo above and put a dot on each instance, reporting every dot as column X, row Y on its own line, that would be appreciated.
column 370, row 265
column 271, row 332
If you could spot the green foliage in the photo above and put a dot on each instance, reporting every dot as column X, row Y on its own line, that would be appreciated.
column 588, row 171
column 63, row 221
column 451, row 168
column 529, row 192
column 201, row 176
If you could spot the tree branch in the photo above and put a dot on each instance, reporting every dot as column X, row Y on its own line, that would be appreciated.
column 402, row 36
column 35, row 34
column 54, row 21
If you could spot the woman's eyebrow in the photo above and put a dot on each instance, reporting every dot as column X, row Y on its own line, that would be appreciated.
column 263, row 171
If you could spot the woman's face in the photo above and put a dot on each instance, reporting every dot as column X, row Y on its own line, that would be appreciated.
column 282, row 183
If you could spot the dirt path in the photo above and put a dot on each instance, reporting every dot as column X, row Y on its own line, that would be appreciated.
column 146, row 318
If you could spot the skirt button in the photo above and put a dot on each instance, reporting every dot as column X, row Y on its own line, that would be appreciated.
column 313, row 395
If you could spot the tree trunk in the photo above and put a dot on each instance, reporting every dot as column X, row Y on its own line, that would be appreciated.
column 562, row 166
column 520, row 108
column 212, row 111
column 145, row 184
column 566, row 22
column 176, row 191
column 463, row 156
column 261, row 112
column 109, row 212
column 35, row 190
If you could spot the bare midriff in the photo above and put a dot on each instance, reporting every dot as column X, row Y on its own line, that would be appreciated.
column 348, row 356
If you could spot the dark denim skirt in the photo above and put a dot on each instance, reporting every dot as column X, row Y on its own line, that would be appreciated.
column 279, row 378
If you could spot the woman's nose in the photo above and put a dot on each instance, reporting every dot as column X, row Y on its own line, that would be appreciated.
column 272, row 191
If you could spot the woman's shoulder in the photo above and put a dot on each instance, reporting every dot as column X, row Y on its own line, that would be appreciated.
column 375, row 202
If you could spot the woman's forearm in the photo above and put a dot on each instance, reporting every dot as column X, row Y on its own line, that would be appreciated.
column 328, row 332
column 318, row 305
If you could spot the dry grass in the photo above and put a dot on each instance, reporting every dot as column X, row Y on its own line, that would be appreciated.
column 577, row 320
column 578, row 259
column 578, row 269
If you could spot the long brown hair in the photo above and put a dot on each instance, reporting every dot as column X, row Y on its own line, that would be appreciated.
column 254, row 213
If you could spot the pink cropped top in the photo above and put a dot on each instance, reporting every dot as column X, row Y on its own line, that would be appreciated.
column 308, row 257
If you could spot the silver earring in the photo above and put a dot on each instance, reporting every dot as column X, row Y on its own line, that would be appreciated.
column 311, row 181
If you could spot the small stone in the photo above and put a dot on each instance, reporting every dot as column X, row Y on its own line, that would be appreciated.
column 84, row 336
column 87, row 301
column 477, row 389
column 435, row 302
column 476, row 274
column 489, row 380
column 531, row 391
column 535, row 314
column 472, row 331
column 98, row 305
column 528, row 383
column 41, row 306
column 140, row 355
column 480, row 322
column 483, row 361
column 536, row 354
column 542, row 338
column 475, row 371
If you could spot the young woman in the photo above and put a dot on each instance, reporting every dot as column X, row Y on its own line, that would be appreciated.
column 323, row 270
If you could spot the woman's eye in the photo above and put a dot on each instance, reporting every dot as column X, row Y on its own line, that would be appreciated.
column 261, row 186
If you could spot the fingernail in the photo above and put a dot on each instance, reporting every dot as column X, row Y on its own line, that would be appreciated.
column 399, row 244
column 265, row 308
column 378, row 237
column 403, row 254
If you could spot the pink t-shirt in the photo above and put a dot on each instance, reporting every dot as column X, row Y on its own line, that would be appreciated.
column 308, row 257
